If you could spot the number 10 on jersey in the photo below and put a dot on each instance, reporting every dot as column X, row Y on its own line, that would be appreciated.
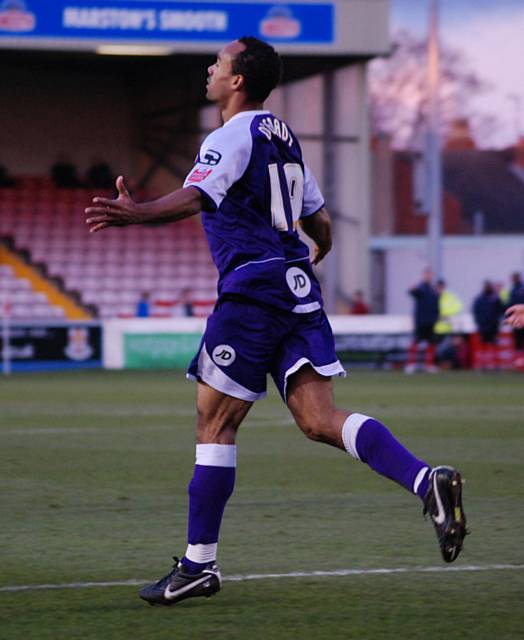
column 295, row 192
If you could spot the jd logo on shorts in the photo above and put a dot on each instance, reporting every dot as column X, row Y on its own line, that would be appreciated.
column 223, row 355
column 298, row 282
column 211, row 157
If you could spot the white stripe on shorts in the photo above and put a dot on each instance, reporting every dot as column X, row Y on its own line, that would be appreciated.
column 212, row 375
column 328, row 370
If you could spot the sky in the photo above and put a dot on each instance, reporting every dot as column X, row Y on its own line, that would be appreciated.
column 491, row 35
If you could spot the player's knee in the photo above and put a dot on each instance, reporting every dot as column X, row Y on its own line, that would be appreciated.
column 315, row 426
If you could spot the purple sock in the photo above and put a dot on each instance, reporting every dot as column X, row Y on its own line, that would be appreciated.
column 368, row 440
column 209, row 490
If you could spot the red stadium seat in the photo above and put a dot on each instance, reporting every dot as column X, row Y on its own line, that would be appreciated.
column 109, row 270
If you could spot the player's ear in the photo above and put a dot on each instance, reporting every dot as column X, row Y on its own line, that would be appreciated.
column 238, row 82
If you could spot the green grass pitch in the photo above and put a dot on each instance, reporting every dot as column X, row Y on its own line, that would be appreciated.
column 94, row 468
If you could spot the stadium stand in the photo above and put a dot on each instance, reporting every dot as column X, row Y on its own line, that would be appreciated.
column 23, row 300
column 106, row 272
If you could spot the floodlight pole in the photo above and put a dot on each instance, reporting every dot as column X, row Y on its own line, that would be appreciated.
column 330, row 284
column 433, row 150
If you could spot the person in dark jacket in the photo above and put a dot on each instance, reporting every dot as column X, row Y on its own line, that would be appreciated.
column 487, row 310
column 65, row 174
column 100, row 176
column 426, row 314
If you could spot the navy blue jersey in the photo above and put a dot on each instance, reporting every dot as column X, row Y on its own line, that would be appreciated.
column 256, row 187
column 487, row 311
column 516, row 295
column 426, row 304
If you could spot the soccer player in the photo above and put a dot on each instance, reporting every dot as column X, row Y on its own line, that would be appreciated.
column 253, row 188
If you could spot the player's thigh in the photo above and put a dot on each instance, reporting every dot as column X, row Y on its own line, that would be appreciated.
column 309, row 394
column 218, row 415
column 302, row 371
column 311, row 402
column 309, row 342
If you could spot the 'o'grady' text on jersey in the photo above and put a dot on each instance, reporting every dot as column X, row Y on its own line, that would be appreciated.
column 256, row 187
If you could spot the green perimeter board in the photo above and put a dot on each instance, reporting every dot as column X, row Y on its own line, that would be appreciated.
column 160, row 350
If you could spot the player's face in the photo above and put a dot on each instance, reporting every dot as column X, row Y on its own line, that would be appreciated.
column 221, row 82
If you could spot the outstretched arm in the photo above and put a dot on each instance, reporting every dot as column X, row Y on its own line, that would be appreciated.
column 515, row 316
column 124, row 211
column 318, row 228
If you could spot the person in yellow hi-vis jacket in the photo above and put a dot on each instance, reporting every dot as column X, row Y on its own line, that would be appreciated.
column 449, row 305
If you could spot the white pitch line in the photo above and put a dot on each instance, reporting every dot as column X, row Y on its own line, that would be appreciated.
column 277, row 576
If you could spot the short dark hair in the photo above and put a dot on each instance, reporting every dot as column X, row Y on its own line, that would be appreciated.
column 260, row 65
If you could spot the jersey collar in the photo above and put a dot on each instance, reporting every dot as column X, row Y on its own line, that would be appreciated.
column 252, row 113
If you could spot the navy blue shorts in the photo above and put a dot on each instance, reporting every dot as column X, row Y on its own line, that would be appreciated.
column 244, row 341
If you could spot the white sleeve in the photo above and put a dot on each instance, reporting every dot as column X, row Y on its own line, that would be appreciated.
column 222, row 160
column 313, row 198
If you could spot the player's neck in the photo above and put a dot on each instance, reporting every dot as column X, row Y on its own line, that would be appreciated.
column 238, row 104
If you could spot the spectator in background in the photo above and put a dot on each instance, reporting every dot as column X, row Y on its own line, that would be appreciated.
column 487, row 310
column 516, row 297
column 426, row 314
column 186, row 303
column 5, row 179
column 454, row 353
column 358, row 305
column 449, row 306
column 100, row 176
column 143, row 307
column 65, row 174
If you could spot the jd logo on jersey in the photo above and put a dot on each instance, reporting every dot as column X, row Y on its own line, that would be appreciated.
column 224, row 355
column 298, row 282
column 211, row 157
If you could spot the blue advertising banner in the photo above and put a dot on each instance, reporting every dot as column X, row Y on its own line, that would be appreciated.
column 122, row 21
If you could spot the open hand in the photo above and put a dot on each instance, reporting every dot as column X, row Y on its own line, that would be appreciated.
column 113, row 213
column 514, row 316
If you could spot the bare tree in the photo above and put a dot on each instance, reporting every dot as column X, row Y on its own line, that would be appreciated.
column 397, row 87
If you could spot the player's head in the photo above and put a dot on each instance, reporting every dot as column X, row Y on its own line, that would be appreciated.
column 261, row 67
column 248, row 66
